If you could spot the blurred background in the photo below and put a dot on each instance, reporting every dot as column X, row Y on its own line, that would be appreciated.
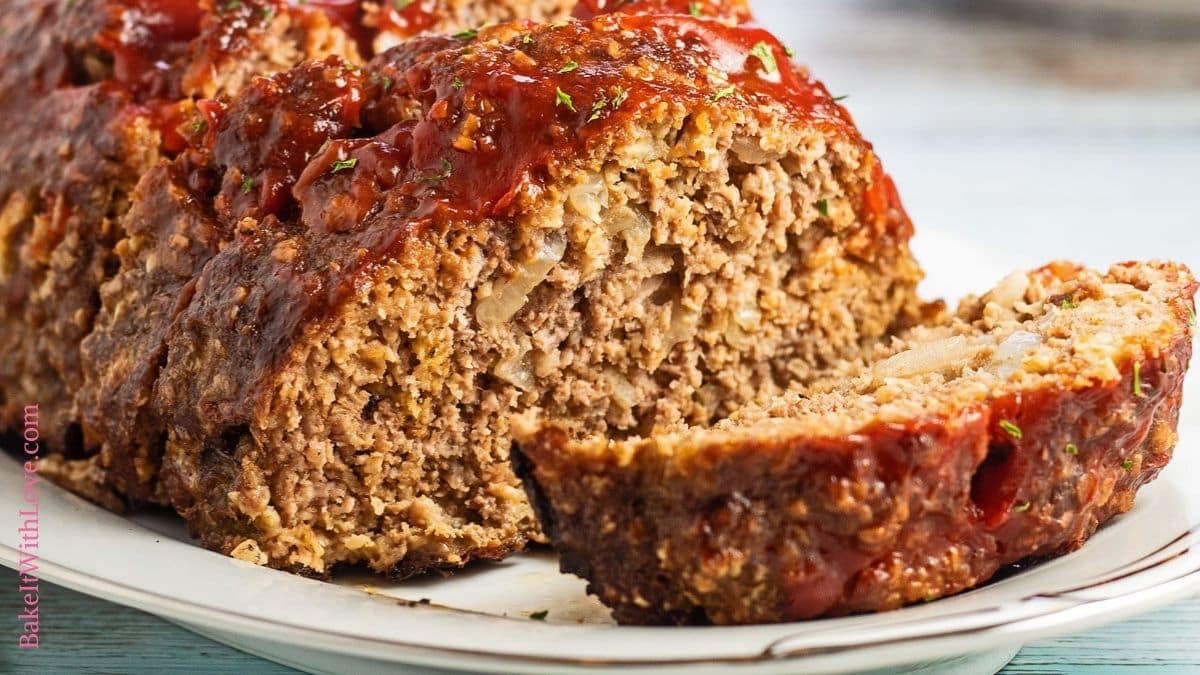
column 1021, row 130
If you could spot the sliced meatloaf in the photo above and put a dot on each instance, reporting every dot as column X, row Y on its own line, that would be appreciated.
column 92, row 95
column 635, row 222
column 1011, row 431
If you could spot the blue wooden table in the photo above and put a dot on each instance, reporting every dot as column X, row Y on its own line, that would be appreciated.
column 84, row 635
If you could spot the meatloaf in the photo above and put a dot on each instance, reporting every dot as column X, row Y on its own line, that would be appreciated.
column 115, row 86
column 1010, row 431
column 331, row 305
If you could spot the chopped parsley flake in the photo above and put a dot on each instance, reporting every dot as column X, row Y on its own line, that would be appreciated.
column 268, row 13
column 724, row 92
column 197, row 125
column 763, row 53
column 841, row 98
column 1127, row 465
column 247, row 185
column 1011, row 429
column 619, row 97
column 232, row 5
column 387, row 83
column 598, row 107
column 447, row 169
column 343, row 164
column 468, row 34
column 694, row 8
column 791, row 53
column 563, row 98
column 823, row 207
column 1022, row 507
column 1137, row 381
column 403, row 4
column 1072, row 449
column 570, row 65
column 527, row 39
column 1068, row 302
column 1192, row 317
column 539, row 615
column 457, row 83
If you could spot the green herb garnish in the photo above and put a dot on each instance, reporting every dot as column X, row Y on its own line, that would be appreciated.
column 619, row 97
column 1192, row 317
column 403, row 4
column 563, row 98
column 247, row 185
column 839, row 99
column 527, row 39
column 763, row 53
column 468, row 34
column 1127, row 465
column 823, row 207
column 197, row 125
column 268, row 13
column 1072, row 449
column 1011, row 429
column 1022, row 507
column 1137, row 381
column 232, row 5
column 724, row 92
column 540, row 615
column 694, row 8
column 447, row 169
column 570, row 65
column 1068, row 302
column 598, row 107
column 457, row 83
column 343, row 164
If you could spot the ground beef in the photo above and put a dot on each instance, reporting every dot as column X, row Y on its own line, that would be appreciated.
column 1010, row 431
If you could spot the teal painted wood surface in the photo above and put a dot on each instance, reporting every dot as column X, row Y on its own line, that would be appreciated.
column 90, row 636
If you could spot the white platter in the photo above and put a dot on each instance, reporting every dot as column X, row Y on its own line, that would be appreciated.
column 480, row 620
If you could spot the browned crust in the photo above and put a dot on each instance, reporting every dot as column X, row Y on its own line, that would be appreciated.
column 782, row 529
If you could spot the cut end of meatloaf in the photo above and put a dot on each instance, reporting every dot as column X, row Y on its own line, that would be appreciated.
column 1008, row 431
column 610, row 220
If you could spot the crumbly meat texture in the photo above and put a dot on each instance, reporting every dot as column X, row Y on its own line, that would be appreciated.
column 609, row 219
column 1012, row 430
column 107, row 114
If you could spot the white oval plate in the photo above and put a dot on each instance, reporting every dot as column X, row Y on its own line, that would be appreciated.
column 479, row 620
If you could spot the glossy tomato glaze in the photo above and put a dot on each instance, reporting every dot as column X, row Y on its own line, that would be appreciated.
column 737, row 10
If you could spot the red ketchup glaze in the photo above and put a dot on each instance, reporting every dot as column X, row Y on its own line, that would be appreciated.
column 267, row 136
column 146, row 36
column 409, row 19
column 733, row 9
column 495, row 120
column 348, row 14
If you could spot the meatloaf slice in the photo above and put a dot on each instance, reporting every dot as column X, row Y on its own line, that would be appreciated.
column 1012, row 431
column 635, row 222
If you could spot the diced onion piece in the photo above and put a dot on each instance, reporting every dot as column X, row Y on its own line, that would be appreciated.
column 624, row 394
column 928, row 357
column 517, row 370
column 633, row 225
column 508, row 297
column 1010, row 290
column 1008, row 356
column 589, row 197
